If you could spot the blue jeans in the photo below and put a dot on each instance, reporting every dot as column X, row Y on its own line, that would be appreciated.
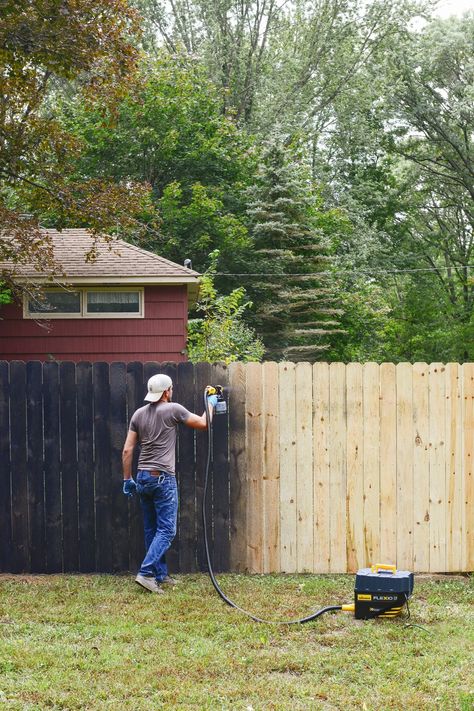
column 159, row 500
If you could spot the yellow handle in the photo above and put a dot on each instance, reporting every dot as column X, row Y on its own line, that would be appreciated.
column 383, row 566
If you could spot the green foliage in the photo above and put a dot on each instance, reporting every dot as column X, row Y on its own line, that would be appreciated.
column 5, row 294
column 198, row 223
column 221, row 334
column 170, row 132
column 275, row 63
column 401, row 164
column 366, row 323
column 374, row 126
column 296, row 307
column 48, row 48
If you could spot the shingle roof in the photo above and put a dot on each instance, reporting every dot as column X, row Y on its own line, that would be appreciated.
column 116, row 260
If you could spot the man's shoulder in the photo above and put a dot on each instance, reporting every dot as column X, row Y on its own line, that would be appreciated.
column 176, row 405
column 141, row 409
column 178, row 410
column 138, row 413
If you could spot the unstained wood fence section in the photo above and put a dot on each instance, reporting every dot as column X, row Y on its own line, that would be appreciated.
column 316, row 468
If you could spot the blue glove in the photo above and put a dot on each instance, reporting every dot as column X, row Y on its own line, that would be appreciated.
column 129, row 487
column 212, row 400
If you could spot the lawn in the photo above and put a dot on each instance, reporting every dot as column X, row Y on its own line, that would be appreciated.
column 100, row 642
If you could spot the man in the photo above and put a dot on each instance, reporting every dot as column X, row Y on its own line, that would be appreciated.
column 154, row 427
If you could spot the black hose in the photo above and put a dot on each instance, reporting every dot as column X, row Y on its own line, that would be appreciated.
column 221, row 594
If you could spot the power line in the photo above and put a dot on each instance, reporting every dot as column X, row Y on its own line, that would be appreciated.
column 327, row 273
column 366, row 272
column 353, row 272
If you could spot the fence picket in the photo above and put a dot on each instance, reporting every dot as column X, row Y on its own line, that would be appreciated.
column 287, row 467
column 271, row 468
column 371, row 456
column 68, row 429
column 117, row 433
column 404, row 465
column 52, row 468
column 19, row 480
column 254, row 429
column 338, row 463
column 355, row 467
column 454, row 466
column 388, row 463
column 238, row 467
column 6, row 548
column 220, row 478
column 304, row 467
column 204, row 376
column 437, row 468
column 35, row 470
column 468, row 478
column 85, row 467
column 102, row 451
column 186, row 472
column 421, row 466
column 321, row 471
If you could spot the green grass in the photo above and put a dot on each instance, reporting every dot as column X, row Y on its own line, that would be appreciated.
column 100, row 642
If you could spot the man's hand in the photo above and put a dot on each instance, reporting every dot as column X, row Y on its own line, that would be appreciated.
column 129, row 487
column 212, row 400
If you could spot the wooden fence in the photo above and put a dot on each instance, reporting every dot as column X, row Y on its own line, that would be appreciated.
column 347, row 465
column 316, row 468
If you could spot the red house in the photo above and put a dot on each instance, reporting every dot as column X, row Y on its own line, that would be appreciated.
column 129, row 304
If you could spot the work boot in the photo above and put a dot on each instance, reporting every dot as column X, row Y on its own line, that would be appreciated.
column 168, row 580
column 148, row 583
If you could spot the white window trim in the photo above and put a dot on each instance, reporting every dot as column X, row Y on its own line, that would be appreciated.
column 84, row 313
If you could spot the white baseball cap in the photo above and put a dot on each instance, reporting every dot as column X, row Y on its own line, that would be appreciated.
column 157, row 385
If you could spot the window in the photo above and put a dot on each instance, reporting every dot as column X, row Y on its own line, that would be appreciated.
column 86, row 303
column 113, row 302
column 54, row 302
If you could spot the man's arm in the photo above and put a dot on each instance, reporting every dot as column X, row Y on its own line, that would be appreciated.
column 127, row 453
column 200, row 423
column 196, row 422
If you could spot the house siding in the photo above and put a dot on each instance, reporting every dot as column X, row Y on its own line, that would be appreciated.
column 159, row 336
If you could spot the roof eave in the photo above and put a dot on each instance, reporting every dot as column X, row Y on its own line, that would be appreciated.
column 138, row 280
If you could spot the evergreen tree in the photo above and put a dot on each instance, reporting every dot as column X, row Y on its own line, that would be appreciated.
column 296, row 309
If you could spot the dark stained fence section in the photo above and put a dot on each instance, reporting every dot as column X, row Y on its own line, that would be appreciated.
column 62, row 429
column 35, row 464
column 68, row 456
column 185, row 394
column 5, row 471
column 19, row 467
column 52, row 469
column 85, row 467
column 220, row 484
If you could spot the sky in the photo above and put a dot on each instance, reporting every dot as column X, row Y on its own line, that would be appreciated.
column 453, row 7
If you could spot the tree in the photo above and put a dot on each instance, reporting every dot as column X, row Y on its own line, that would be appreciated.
column 399, row 160
column 276, row 62
column 434, row 76
column 46, row 48
column 221, row 334
column 169, row 131
column 296, row 307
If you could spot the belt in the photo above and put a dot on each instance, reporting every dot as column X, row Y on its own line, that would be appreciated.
column 154, row 472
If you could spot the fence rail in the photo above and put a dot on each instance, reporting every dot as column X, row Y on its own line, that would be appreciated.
column 317, row 468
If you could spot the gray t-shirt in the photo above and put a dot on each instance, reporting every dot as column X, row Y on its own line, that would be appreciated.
column 156, row 426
